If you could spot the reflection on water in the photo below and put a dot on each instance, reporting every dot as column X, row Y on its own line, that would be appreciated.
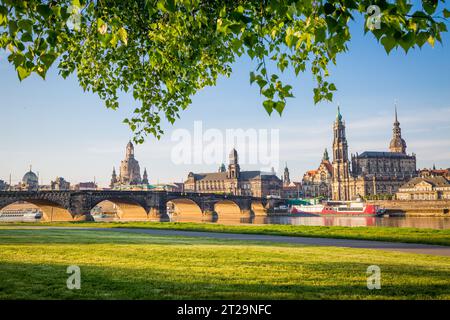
column 343, row 221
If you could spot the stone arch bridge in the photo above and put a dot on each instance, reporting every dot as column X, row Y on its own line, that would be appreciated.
column 135, row 205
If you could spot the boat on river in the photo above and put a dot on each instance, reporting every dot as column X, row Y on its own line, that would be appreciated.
column 337, row 208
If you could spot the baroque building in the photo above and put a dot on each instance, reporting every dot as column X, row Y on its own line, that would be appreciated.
column 372, row 172
column 234, row 181
column 30, row 182
column 317, row 183
column 60, row 184
column 130, row 172
column 425, row 188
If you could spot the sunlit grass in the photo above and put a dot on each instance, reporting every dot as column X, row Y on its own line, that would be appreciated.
column 412, row 235
column 140, row 266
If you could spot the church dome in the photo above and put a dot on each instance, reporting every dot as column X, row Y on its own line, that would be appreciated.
column 397, row 143
column 30, row 178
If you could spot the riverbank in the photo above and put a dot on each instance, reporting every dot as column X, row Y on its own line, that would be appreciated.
column 407, row 235
column 426, row 208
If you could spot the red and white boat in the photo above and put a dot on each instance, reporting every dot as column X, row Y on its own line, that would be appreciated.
column 338, row 208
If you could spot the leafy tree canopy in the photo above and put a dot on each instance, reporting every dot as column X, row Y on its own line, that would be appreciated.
column 163, row 51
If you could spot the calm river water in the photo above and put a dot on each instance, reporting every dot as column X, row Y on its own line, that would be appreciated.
column 401, row 222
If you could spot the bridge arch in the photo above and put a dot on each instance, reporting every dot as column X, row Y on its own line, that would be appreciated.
column 227, row 208
column 51, row 210
column 124, row 209
column 184, row 209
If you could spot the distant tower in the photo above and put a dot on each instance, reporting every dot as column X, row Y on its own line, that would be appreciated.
column 341, row 173
column 397, row 143
column 325, row 155
column 113, row 178
column 222, row 168
column 129, row 168
column 286, row 179
column 145, row 177
column 233, row 166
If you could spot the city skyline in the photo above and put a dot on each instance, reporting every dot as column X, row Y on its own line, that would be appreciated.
column 62, row 131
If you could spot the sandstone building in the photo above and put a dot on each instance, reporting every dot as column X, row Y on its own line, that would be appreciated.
column 317, row 183
column 130, row 173
column 429, row 188
column 372, row 172
column 232, row 180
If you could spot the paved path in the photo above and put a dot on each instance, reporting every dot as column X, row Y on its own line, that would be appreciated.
column 364, row 244
column 348, row 243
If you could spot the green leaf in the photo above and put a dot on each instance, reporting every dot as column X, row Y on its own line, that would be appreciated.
column 252, row 77
column 26, row 37
column 123, row 35
column 429, row 5
column 3, row 14
column 26, row 25
column 48, row 59
column 44, row 10
column 446, row 13
column 388, row 43
column 279, row 106
column 23, row 72
column 268, row 105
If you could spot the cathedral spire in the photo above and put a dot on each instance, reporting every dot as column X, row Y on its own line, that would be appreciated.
column 145, row 177
column 113, row 178
column 397, row 144
column 286, row 178
column 338, row 115
column 325, row 155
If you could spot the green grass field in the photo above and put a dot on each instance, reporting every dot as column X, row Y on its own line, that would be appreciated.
column 118, row 265
column 411, row 235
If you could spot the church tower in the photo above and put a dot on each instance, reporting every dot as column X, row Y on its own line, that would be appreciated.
column 130, row 173
column 397, row 143
column 325, row 156
column 222, row 168
column 145, row 177
column 341, row 170
column 286, row 179
column 233, row 167
column 113, row 178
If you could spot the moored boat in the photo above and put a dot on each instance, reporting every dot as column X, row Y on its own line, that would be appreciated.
column 338, row 208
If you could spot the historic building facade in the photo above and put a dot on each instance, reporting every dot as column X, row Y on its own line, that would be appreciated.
column 317, row 183
column 3, row 186
column 232, row 180
column 130, row 173
column 426, row 173
column 428, row 188
column 30, row 182
column 372, row 172
column 60, row 184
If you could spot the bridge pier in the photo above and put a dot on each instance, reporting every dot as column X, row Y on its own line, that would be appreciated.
column 208, row 210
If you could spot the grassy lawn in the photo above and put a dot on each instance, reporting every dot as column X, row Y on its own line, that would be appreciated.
column 139, row 266
column 412, row 235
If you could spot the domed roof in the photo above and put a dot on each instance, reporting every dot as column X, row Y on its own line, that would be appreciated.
column 30, row 178
column 397, row 144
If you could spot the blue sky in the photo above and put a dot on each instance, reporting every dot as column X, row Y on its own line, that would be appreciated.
column 63, row 131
